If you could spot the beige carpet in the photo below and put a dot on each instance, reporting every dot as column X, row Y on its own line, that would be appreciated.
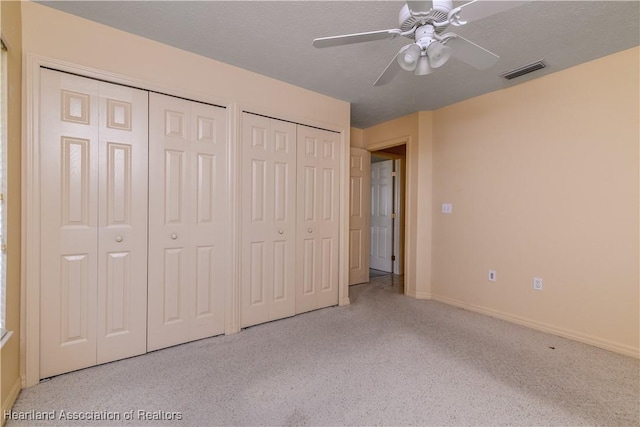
column 384, row 360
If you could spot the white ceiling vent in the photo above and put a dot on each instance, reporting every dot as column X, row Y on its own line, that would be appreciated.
column 521, row 71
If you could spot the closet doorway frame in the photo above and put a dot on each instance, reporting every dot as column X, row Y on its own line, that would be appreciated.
column 30, row 227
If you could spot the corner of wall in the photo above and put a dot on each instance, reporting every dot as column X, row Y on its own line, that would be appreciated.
column 425, row 203
column 10, row 399
column 357, row 140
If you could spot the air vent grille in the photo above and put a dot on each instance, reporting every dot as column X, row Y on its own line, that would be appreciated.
column 529, row 68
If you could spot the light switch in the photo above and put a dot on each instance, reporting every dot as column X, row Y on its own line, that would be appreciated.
column 447, row 208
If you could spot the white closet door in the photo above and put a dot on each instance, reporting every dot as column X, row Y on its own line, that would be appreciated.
column 93, row 292
column 268, row 219
column 69, row 220
column 318, row 224
column 359, row 203
column 122, row 237
column 188, row 221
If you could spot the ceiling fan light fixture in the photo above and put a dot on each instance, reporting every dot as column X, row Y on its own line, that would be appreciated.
column 438, row 54
column 409, row 56
column 423, row 68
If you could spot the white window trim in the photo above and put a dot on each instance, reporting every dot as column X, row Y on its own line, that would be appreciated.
column 5, row 337
column 4, row 334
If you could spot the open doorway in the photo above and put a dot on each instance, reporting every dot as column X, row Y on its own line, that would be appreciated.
column 387, row 217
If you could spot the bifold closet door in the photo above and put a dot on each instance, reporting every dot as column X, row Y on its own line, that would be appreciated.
column 268, row 219
column 188, row 221
column 93, row 187
column 318, row 224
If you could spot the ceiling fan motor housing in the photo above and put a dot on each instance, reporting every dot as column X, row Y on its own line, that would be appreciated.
column 439, row 12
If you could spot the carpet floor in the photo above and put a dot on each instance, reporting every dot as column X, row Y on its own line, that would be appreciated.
column 386, row 359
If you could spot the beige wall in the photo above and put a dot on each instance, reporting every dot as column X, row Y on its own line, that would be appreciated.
column 356, row 138
column 10, row 354
column 65, row 37
column 543, row 178
column 544, row 182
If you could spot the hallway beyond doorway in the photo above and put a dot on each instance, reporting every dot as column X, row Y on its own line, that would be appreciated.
column 388, row 281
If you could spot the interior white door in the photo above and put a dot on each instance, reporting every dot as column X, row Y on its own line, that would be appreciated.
column 268, row 219
column 381, row 220
column 318, row 223
column 359, row 203
column 188, row 221
column 93, row 144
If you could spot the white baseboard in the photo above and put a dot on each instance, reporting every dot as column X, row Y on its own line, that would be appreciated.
column 543, row 327
column 419, row 295
column 11, row 399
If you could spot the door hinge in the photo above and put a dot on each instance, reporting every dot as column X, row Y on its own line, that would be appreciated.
column 394, row 173
column 1, row 197
column 393, row 216
column 393, row 257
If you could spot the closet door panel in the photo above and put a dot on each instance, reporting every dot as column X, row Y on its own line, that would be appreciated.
column 69, row 220
column 268, row 219
column 209, row 220
column 188, row 220
column 318, row 221
column 170, row 266
column 122, row 244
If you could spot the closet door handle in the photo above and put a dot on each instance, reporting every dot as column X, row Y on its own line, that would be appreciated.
column 281, row 231
column 174, row 236
column 119, row 239
column 309, row 230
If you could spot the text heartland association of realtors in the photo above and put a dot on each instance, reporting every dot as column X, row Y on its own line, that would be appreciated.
column 62, row 415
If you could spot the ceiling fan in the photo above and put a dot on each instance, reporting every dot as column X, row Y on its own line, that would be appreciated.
column 425, row 22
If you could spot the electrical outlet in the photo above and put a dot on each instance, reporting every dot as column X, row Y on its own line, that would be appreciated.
column 537, row 283
column 447, row 208
column 492, row 275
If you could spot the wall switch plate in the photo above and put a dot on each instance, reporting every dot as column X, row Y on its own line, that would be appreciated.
column 492, row 275
column 447, row 208
column 537, row 283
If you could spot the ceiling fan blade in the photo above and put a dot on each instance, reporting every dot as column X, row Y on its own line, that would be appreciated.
column 470, row 52
column 478, row 9
column 390, row 72
column 418, row 7
column 355, row 38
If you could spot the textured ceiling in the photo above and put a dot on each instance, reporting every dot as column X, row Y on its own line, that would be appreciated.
column 274, row 38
